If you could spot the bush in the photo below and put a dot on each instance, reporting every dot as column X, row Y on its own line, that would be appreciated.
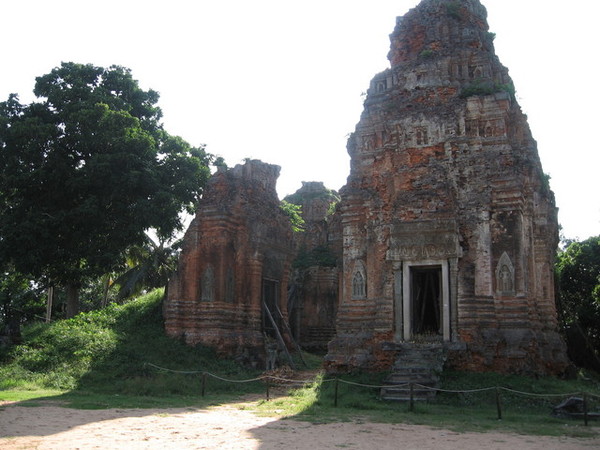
column 487, row 87
column 453, row 9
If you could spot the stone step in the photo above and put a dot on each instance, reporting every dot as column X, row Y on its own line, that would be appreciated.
column 417, row 361
column 428, row 372
column 419, row 382
column 403, row 393
column 418, row 367
column 417, row 364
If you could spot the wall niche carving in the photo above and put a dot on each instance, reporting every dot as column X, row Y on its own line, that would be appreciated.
column 208, row 285
column 505, row 276
column 359, row 281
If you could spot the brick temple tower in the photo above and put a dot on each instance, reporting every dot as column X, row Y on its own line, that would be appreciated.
column 449, row 226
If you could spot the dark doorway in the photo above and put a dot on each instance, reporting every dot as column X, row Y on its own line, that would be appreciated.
column 426, row 296
column 270, row 297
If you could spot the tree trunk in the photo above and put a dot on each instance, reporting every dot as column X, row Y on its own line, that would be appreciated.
column 13, row 326
column 105, row 292
column 49, row 303
column 72, row 300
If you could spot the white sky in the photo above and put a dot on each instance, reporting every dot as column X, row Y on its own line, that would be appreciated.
column 281, row 80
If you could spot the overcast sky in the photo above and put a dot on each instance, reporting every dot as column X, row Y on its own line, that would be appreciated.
column 281, row 81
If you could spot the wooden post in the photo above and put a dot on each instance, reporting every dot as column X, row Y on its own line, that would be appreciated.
column 49, row 304
column 203, row 384
column 106, row 289
column 411, row 403
column 498, row 403
column 335, row 398
column 585, row 409
column 267, row 383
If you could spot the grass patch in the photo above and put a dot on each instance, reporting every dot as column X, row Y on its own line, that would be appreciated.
column 475, row 412
column 107, row 352
column 313, row 362
column 21, row 395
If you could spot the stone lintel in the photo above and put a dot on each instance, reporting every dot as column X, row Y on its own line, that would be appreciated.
column 423, row 240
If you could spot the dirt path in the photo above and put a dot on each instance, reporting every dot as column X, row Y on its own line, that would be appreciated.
column 229, row 427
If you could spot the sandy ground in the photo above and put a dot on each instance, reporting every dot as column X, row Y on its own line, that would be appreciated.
column 229, row 427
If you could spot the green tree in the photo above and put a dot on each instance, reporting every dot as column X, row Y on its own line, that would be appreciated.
column 294, row 212
column 84, row 171
column 149, row 266
column 578, row 274
column 19, row 301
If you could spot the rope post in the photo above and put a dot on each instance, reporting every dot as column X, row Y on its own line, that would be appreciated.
column 498, row 403
column 267, row 383
column 335, row 398
column 585, row 409
column 203, row 390
column 411, row 403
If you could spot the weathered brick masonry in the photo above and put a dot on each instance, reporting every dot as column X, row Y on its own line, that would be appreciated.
column 449, row 227
column 237, row 253
column 445, row 233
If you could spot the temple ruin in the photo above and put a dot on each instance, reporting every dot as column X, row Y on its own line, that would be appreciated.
column 314, row 288
column 449, row 226
column 443, row 241
column 234, row 267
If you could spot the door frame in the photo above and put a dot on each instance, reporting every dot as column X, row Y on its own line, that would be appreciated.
column 407, row 296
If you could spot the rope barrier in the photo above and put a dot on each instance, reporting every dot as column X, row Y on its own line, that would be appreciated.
column 251, row 380
column 450, row 391
column 431, row 388
column 353, row 383
column 186, row 372
column 371, row 385
column 532, row 394
column 285, row 380
column 597, row 397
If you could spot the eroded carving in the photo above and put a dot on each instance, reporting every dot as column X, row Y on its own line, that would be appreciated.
column 505, row 276
column 208, row 285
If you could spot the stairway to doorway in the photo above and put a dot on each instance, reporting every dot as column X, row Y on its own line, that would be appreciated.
column 418, row 364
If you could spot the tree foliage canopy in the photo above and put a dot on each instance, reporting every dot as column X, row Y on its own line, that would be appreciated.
column 18, row 301
column 149, row 266
column 578, row 272
column 294, row 212
column 579, row 280
column 85, row 170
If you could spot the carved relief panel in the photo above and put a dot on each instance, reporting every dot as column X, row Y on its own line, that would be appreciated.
column 359, row 281
column 505, row 276
column 423, row 240
column 207, row 285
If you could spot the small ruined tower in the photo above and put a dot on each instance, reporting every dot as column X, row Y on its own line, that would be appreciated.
column 236, row 259
column 313, row 290
column 449, row 226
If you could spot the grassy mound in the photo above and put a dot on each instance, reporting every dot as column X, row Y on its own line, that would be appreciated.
column 115, row 351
